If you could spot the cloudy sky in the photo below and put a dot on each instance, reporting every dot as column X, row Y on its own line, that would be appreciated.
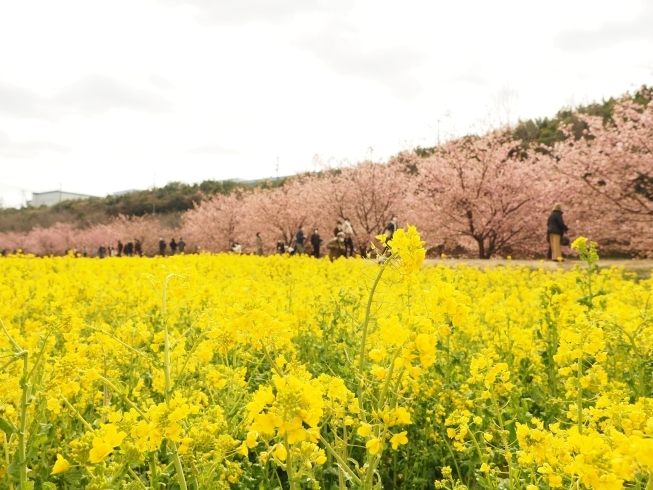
column 99, row 97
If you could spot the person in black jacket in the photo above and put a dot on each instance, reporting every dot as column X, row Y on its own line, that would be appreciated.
column 315, row 241
column 555, row 229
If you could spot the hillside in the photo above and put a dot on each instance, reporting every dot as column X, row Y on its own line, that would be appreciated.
column 167, row 202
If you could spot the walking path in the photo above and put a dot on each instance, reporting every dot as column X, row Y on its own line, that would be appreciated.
column 642, row 267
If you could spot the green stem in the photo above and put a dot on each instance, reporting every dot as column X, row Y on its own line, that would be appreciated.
column 345, row 467
column 124, row 397
column 366, row 322
column 579, row 397
column 24, row 384
column 289, row 468
column 168, row 382
column 22, row 456
column 153, row 473
column 7, row 460
column 384, row 390
column 76, row 413
column 135, row 477
column 504, row 439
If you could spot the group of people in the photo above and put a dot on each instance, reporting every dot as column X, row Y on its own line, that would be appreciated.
column 341, row 244
column 175, row 246
column 130, row 249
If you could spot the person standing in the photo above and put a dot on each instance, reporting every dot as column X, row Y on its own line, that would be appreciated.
column 391, row 228
column 348, row 230
column 162, row 247
column 173, row 246
column 181, row 245
column 299, row 240
column 336, row 246
column 259, row 243
column 138, row 248
column 120, row 248
column 556, row 228
column 315, row 241
column 102, row 251
column 338, row 228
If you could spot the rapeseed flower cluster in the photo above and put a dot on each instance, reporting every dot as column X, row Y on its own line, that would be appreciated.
column 220, row 371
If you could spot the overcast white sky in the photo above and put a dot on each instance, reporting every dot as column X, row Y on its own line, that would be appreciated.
column 100, row 97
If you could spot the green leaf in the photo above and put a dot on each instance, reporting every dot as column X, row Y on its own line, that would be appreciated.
column 14, row 468
column 49, row 486
column 7, row 427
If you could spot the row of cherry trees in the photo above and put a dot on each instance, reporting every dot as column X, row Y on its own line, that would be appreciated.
column 475, row 196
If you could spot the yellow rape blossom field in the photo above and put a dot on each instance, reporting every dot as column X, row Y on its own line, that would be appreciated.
column 244, row 372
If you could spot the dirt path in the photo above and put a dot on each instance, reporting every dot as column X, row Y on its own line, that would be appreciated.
column 642, row 268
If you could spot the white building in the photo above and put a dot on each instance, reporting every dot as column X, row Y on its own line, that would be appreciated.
column 53, row 197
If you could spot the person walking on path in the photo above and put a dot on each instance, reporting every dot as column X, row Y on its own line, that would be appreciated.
column 315, row 242
column 336, row 246
column 348, row 230
column 299, row 241
column 162, row 246
column 556, row 228
column 391, row 228
column 181, row 245
column 259, row 243
column 389, row 232
column 173, row 247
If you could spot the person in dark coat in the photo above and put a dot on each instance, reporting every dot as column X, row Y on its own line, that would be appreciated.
column 162, row 246
column 315, row 241
column 299, row 241
column 138, row 248
column 181, row 244
column 120, row 247
column 173, row 247
column 555, row 229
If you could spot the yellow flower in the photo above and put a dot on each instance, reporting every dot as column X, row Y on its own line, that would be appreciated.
column 99, row 451
column 399, row 439
column 280, row 452
column 374, row 445
column 60, row 466
column 242, row 450
column 251, row 438
column 488, row 437
column 364, row 430
column 409, row 247
column 485, row 468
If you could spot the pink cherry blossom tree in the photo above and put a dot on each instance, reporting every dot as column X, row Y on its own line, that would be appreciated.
column 486, row 192
column 215, row 223
column 608, row 174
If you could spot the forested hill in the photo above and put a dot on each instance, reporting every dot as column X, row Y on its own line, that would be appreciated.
column 168, row 202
